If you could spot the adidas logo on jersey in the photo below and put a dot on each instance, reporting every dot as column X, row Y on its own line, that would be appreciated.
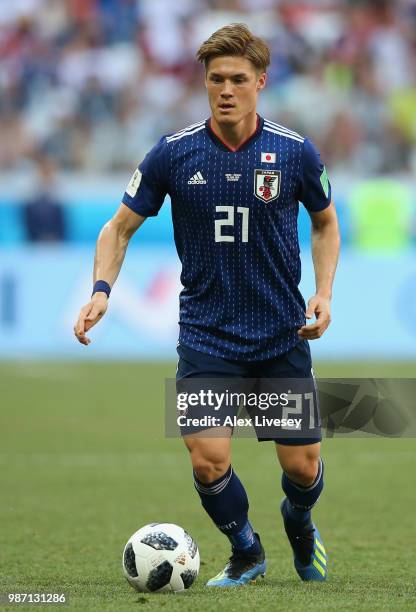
column 197, row 179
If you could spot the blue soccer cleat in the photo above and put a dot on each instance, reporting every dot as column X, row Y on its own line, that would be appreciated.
column 310, row 558
column 241, row 569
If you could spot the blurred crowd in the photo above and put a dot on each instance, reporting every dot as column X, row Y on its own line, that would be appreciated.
column 93, row 84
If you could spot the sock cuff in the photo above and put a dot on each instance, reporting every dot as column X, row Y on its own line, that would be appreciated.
column 216, row 486
column 315, row 482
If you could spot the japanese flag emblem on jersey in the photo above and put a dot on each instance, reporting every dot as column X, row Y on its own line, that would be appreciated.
column 268, row 158
column 266, row 184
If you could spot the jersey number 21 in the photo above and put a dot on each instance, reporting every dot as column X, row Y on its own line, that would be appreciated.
column 229, row 220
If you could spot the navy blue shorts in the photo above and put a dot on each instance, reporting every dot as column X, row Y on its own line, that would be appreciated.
column 265, row 377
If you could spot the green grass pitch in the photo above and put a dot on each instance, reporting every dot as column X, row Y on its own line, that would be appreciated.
column 84, row 463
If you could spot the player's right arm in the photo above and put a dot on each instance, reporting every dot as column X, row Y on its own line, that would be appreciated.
column 143, row 198
column 109, row 256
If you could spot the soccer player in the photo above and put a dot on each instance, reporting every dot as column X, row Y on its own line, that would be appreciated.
column 235, row 181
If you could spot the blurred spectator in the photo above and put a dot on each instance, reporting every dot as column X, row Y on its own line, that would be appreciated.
column 43, row 213
column 79, row 78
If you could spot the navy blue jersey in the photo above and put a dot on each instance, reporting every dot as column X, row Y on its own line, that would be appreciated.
column 235, row 226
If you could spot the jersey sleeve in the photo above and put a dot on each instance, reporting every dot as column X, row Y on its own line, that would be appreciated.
column 148, row 186
column 314, row 189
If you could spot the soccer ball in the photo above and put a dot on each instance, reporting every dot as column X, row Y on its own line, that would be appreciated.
column 161, row 557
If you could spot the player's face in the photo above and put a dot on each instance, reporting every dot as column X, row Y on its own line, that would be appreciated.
column 233, row 86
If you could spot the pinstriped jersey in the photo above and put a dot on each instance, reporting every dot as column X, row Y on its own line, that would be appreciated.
column 235, row 227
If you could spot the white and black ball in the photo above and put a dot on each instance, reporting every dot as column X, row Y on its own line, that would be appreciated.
column 161, row 557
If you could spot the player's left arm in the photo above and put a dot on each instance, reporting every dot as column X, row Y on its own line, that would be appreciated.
column 325, row 250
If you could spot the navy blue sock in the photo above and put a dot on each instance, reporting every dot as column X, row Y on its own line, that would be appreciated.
column 226, row 502
column 302, row 499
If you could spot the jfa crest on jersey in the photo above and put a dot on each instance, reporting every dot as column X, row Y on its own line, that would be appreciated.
column 235, row 226
column 267, row 184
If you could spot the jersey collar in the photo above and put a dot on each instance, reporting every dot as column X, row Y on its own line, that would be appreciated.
column 222, row 145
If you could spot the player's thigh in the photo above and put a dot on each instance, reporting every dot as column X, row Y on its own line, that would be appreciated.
column 291, row 377
column 203, row 422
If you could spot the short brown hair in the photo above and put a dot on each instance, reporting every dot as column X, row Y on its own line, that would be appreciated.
column 235, row 39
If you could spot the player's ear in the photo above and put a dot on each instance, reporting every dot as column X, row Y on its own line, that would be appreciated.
column 261, row 81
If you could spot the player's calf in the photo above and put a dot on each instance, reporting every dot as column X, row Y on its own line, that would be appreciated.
column 310, row 557
column 225, row 501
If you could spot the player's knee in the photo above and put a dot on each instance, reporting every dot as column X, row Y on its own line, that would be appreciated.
column 302, row 471
column 207, row 470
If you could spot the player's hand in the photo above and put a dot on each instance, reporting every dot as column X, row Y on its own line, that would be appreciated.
column 321, row 308
column 89, row 315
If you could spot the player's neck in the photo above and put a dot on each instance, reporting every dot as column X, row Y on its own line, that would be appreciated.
column 235, row 135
